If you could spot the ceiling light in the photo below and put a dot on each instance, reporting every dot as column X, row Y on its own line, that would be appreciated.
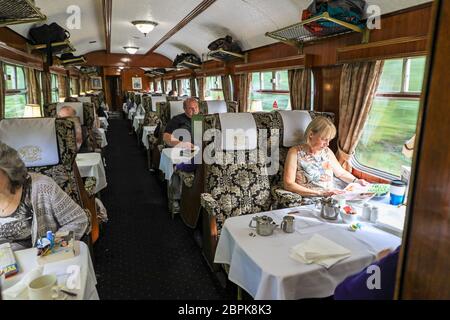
column 121, row 68
column 131, row 50
column 144, row 26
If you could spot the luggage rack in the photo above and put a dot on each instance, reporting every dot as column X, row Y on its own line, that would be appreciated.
column 188, row 65
column 297, row 34
column 19, row 11
column 57, row 47
column 78, row 60
column 223, row 55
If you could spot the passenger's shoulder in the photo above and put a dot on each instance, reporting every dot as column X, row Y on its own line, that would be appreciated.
column 40, row 179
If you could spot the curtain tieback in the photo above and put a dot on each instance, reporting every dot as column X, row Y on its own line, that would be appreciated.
column 343, row 156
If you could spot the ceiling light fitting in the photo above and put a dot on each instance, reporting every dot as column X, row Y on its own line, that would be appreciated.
column 131, row 50
column 144, row 26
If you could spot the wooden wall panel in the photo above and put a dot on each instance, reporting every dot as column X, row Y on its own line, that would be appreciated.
column 425, row 259
column 126, row 76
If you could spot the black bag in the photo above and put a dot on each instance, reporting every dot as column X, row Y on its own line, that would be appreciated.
column 48, row 34
column 226, row 44
column 186, row 57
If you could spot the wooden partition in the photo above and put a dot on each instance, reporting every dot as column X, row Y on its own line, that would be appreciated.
column 424, row 265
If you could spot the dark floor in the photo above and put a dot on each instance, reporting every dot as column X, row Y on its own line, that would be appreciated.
column 142, row 252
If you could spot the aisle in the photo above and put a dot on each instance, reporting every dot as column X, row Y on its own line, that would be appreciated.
column 142, row 253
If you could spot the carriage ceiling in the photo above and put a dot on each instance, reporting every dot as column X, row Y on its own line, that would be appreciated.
column 246, row 20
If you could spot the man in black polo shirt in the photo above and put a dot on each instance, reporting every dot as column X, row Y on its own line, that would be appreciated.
column 181, row 121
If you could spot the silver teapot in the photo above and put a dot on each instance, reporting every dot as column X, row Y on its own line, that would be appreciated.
column 329, row 208
column 264, row 225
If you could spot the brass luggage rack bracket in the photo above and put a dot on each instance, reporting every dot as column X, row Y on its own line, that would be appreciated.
column 296, row 34
column 189, row 65
column 78, row 60
column 57, row 47
column 19, row 11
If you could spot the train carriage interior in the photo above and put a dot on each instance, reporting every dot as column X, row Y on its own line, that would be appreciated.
column 232, row 150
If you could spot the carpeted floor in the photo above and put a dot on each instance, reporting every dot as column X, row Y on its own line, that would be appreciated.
column 142, row 252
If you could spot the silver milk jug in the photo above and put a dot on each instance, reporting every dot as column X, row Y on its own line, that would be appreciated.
column 288, row 224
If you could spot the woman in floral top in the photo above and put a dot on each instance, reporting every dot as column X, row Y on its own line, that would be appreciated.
column 311, row 166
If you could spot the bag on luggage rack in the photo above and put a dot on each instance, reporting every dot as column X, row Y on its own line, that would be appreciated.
column 351, row 11
column 48, row 34
column 186, row 57
column 226, row 44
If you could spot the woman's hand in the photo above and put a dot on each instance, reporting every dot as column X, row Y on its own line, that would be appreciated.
column 331, row 192
column 362, row 182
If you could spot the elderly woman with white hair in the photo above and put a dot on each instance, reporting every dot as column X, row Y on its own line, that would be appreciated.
column 32, row 204
column 310, row 167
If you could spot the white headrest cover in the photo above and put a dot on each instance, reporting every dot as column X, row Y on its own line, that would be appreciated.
column 78, row 106
column 295, row 123
column 238, row 131
column 176, row 108
column 85, row 99
column 216, row 106
column 34, row 140
column 156, row 99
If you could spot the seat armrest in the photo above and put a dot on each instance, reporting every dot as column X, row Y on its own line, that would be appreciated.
column 209, row 204
column 286, row 199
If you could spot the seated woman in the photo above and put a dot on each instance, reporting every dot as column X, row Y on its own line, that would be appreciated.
column 311, row 166
column 32, row 204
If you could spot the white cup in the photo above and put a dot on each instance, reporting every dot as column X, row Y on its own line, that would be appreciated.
column 43, row 288
column 366, row 212
column 340, row 199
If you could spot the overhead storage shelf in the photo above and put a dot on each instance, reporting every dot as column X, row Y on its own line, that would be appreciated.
column 78, row 60
column 300, row 33
column 189, row 65
column 19, row 11
column 223, row 55
column 57, row 47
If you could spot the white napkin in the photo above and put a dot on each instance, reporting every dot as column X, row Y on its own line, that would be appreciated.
column 319, row 250
column 17, row 289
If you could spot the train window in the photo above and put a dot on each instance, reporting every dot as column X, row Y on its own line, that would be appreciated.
column 393, row 117
column 270, row 91
column 73, row 87
column 185, row 88
column 55, row 88
column 213, row 88
column 16, row 91
column 168, row 87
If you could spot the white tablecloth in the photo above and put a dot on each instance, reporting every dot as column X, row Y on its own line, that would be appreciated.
column 171, row 157
column 145, row 132
column 262, row 266
column 103, row 122
column 102, row 134
column 27, row 260
column 138, row 119
column 91, row 165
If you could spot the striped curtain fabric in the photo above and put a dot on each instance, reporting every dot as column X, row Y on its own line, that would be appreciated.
column 359, row 83
column 300, row 88
column 34, row 90
column 245, row 81
column 226, row 88
column 2, row 91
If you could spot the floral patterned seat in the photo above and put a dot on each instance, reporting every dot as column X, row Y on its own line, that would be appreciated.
column 284, row 198
column 238, row 184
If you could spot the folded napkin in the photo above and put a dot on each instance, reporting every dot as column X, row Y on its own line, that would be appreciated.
column 319, row 250
column 17, row 289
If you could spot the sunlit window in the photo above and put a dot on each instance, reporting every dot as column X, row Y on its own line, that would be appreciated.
column 269, row 91
column 16, row 91
column 393, row 116
column 213, row 88
column 55, row 88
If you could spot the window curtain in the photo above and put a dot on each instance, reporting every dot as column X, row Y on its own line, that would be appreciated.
column 226, row 87
column 300, row 88
column 359, row 83
column 163, row 85
column 46, row 80
column 245, row 81
column 174, row 85
column 201, row 88
column 180, row 87
column 67, row 87
column 34, row 90
column 2, row 92
column 193, row 89
column 61, row 86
